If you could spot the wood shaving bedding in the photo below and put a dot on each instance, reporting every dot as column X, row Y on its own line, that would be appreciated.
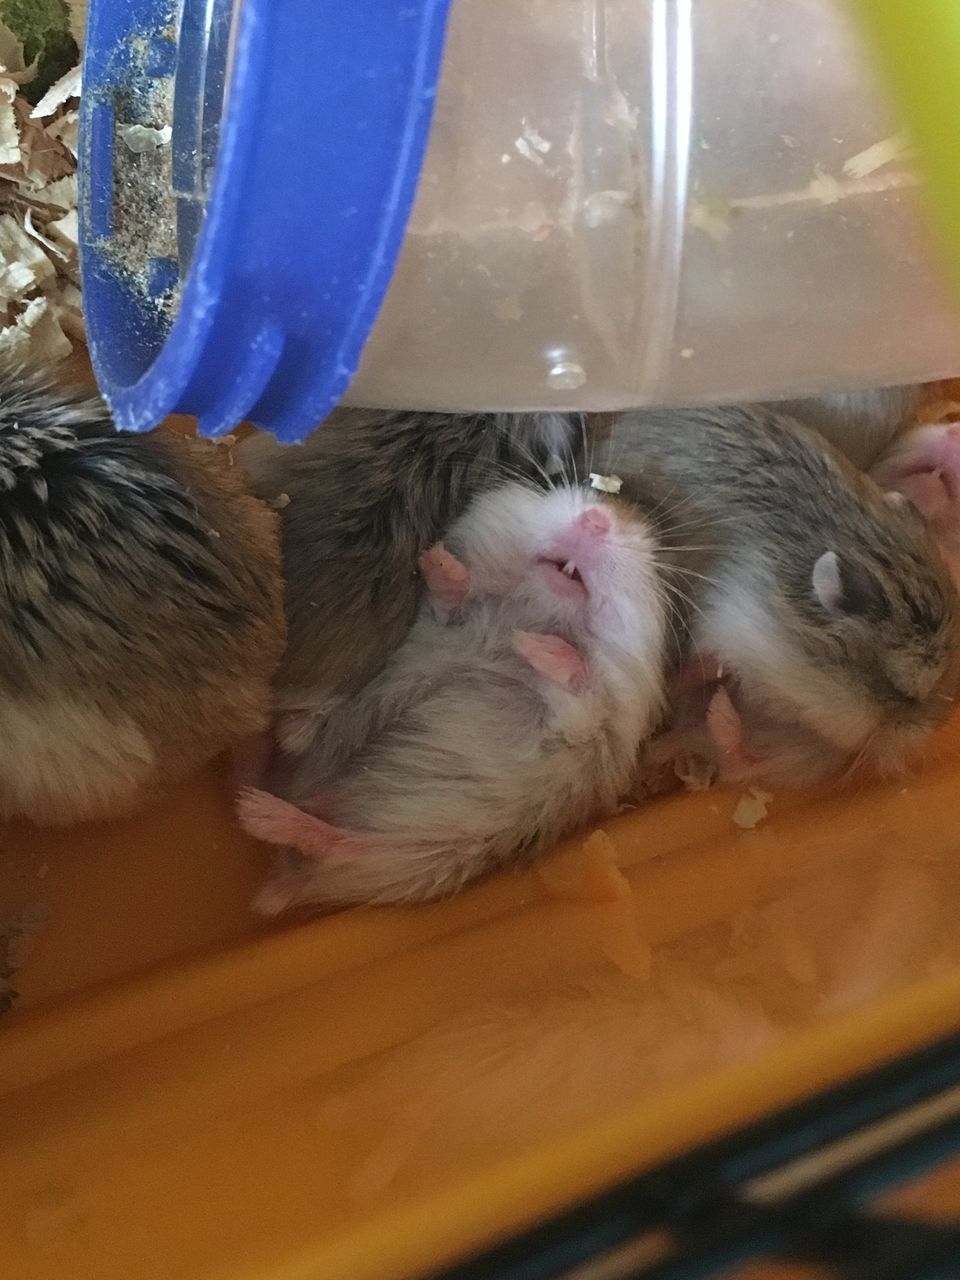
column 40, row 313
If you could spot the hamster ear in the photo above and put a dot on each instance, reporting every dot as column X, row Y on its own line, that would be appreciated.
column 845, row 588
column 827, row 586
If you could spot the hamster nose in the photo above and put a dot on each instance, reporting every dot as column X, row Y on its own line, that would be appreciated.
column 595, row 522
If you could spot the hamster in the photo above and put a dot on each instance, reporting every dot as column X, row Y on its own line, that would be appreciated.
column 823, row 608
column 511, row 714
column 140, row 607
column 861, row 424
column 362, row 499
column 924, row 465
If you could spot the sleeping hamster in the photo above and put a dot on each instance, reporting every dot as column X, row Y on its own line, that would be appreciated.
column 511, row 714
column 141, row 607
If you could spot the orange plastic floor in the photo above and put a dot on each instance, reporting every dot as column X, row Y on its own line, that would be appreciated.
column 403, row 1084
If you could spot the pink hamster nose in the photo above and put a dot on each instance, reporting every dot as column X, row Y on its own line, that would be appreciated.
column 595, row 522
column 577, row 553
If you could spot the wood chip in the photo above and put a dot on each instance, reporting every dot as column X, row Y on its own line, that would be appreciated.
column 40, row 310
column 751, row 808
column 588, row 873
column 881, row 153
column 67, row 87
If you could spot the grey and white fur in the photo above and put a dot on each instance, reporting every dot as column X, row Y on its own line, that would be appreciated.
column 140, row 609
column 861, row 424
column 511, row 714
column 366, row 494
column 822, row 596
column 371, row 489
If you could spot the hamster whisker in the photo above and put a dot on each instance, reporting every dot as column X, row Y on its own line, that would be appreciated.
column 675, row 631
column 852, row 771
column 525, row 451
column 688, row 526
column 497, row 468
column 587, row 445
column 703, row 518
column 660, row 508
column 677, row 594
column 683, row 572
column 611, row 458
column 687, row 547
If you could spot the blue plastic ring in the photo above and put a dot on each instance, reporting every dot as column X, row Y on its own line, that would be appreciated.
column 320, row 149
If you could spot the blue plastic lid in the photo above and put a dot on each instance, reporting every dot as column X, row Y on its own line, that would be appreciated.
column 247, row 168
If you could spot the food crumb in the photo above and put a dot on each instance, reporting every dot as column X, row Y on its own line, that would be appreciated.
column 279, row 502
column 751, row 808
column 143, row 137
column 588, row 874
column 605, row 484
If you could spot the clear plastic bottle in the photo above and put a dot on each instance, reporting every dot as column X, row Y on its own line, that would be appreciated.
column 638, row 201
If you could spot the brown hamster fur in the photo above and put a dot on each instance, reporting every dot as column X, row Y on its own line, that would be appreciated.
column 140, row 607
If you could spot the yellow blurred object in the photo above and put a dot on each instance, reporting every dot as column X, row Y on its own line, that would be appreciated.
column 189, row 1093
column 917, row 44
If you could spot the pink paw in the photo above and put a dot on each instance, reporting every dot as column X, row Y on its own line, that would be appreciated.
column 447, row 578
column 726, row 730
column 553, row 658
column 276, row 821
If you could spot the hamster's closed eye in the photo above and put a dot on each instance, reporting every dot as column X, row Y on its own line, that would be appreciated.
column 847, row 589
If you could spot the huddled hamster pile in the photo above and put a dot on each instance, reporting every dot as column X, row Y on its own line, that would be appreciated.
column 500, row 627
column 734, row 589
